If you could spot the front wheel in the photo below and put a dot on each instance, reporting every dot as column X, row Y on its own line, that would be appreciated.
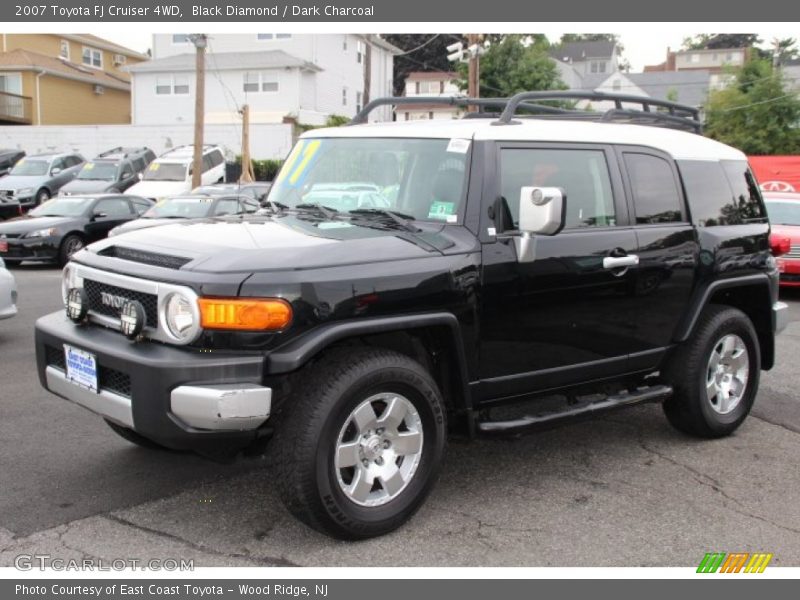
column 41, row 196
column 714, row 374
column 69, row 246
column 362, row 442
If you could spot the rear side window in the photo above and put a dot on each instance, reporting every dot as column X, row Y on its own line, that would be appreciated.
column 215, row 158
column 746, row 194
column 709, row 194
column 655, row 192
column 583, row 174
column 138, row 164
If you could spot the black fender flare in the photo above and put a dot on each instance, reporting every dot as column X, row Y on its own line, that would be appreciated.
column 297, row 352
column 701, row 300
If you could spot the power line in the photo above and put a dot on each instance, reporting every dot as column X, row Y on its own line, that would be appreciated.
column 768, row 101
column 419, row 47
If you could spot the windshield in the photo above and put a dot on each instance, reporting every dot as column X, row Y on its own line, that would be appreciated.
column 30, row 167
column 783, row 213
column 165, row 172
column 66, row 206
column 185, row 208
column 421, row 178
column 100, row 171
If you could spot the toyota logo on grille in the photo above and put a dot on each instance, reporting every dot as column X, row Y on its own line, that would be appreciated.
column 112, row 300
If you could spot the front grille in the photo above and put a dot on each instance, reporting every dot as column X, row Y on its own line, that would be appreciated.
column 107, row 378
column 55, row 357
column 94, row 290
column 114, row 381
column 11, row 236
column 793, row 253
column 148, row 258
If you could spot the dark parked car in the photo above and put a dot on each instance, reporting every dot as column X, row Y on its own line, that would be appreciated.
column 8, row 158
column 112, row 171
column 193, row 206
column 513, row 273
column 257, row 190
column 60, row 227
column 39, row 177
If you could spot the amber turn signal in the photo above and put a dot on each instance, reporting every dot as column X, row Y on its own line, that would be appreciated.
column 251, row 314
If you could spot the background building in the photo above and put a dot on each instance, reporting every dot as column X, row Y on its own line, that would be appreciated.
column 430, row 83
column 64, row 79
column 304, row 77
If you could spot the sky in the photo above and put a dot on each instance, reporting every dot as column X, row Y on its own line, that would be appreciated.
column 644, row 43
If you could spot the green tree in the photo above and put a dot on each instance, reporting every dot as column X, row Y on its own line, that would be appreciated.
column 517, row 63
column 425, row 52
column 720, row 41
column 756, row 112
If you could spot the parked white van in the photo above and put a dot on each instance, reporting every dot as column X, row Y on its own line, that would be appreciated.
column 171, row 173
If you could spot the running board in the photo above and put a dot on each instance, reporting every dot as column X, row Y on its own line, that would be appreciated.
column 655, row 393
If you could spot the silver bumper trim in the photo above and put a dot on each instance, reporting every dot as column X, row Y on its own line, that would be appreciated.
column 780, row 316
column 239, row 407
column 106, row 404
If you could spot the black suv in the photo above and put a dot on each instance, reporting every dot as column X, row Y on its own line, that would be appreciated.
column 112, row 171
column 412, row 279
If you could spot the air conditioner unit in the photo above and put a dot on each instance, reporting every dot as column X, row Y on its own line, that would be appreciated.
column 119, row 59
column 99, row 90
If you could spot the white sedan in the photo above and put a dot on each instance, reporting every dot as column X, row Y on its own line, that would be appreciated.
column 8, row 293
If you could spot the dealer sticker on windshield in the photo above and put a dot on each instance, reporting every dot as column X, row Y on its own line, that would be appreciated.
column 81, row 367
column 458, row 145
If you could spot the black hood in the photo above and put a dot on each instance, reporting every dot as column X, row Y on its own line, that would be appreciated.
column 261, row 243
column 26, row 224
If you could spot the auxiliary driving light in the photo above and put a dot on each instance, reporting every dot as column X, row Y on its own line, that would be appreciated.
column 132, row 319
column 77, row 305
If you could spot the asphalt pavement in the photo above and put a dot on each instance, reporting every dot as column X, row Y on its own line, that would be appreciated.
column 622, row 490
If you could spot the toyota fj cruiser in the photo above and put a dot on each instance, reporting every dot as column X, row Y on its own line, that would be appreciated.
column 411, row 278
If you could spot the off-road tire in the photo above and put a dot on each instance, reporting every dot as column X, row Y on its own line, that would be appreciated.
column 312, row 420
column 689, row 410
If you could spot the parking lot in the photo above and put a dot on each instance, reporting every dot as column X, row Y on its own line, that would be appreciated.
column 624, row 490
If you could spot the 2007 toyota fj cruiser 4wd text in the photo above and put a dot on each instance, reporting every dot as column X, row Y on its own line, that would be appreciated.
column 410, row 278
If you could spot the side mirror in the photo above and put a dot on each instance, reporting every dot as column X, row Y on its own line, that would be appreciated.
column 99, row 215
column 139, row 176
column 125, row 175
column 55, row 171
column 542, row 211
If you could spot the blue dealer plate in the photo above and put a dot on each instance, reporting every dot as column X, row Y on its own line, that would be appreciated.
column 81, row 367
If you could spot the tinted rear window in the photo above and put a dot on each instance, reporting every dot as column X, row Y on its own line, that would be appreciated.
column 720, row 193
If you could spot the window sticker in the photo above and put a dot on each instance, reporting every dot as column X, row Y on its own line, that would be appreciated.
column 442, row 211
column 334, row 225
column 458, row 146
column 154, row 166
column 88, row 166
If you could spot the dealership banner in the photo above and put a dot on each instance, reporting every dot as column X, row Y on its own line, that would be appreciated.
column 777, row 173
column 299, row 11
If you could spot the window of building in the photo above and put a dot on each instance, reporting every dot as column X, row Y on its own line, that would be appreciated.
column 695, row 58
column 92, row 57
column 63, row 51
column 344, row 44
column 180, row 38
column 11, row 83
column 163, row 85
column 430, row 115
column 264, row 37
column 250, row 82
column 582, row 173
column 597, row 66
column 180, row 84
column 617, row 85
column 358, row 101
column 344, row 96
column 655, row 192
column 360, row 52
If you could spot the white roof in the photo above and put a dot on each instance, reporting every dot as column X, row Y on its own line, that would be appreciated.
column 678, row 144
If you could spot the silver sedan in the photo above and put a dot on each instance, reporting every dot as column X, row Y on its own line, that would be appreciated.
column 8, row 293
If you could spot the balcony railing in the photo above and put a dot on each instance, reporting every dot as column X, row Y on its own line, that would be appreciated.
column 15, row 108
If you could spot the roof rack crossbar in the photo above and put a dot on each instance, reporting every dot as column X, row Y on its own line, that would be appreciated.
column 688, row 117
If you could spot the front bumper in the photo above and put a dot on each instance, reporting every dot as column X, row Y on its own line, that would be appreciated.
column 34, row 249
column 181, row 398
column 789, row 269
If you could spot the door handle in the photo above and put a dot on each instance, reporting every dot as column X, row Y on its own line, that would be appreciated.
column 617, row 262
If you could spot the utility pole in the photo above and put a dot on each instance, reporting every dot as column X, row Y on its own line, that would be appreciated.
column 200, row 41
column 247, row 165
column 473, row 75
column 365, row 96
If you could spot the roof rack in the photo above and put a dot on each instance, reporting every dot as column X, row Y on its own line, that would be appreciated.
column 666, row 113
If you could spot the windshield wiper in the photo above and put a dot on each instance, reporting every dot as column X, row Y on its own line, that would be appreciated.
column 326, row 211
column 405, row 221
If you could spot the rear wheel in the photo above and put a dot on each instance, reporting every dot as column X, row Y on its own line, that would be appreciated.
column 362, row 443
column 714, row 374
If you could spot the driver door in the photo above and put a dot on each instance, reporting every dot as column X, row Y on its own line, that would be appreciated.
column 107, row 214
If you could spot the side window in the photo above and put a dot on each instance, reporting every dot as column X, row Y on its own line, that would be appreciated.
column 655, row 192
column 114, row 207
column 250, row 206
column 216, row 158
column 746, row 194
column 139, row 205
column 126, row 171
column 583, row 174
column 227, row 206
column 207, row 164
column 709, row 194
column 58, row 163
column 138, row 164
column 73, row 160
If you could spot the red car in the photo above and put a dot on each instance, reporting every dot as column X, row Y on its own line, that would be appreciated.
column 783, row 209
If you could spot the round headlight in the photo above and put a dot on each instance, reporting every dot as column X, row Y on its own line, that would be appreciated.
column 180, row 316
column 77, row 305
column 132, row 318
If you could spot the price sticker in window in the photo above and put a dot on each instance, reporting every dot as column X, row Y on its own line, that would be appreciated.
column 458, row 146
column 154, row 166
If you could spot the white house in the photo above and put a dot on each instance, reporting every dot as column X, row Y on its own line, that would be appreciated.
column 430, row 84
column 577, row 60
column 304, row 77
